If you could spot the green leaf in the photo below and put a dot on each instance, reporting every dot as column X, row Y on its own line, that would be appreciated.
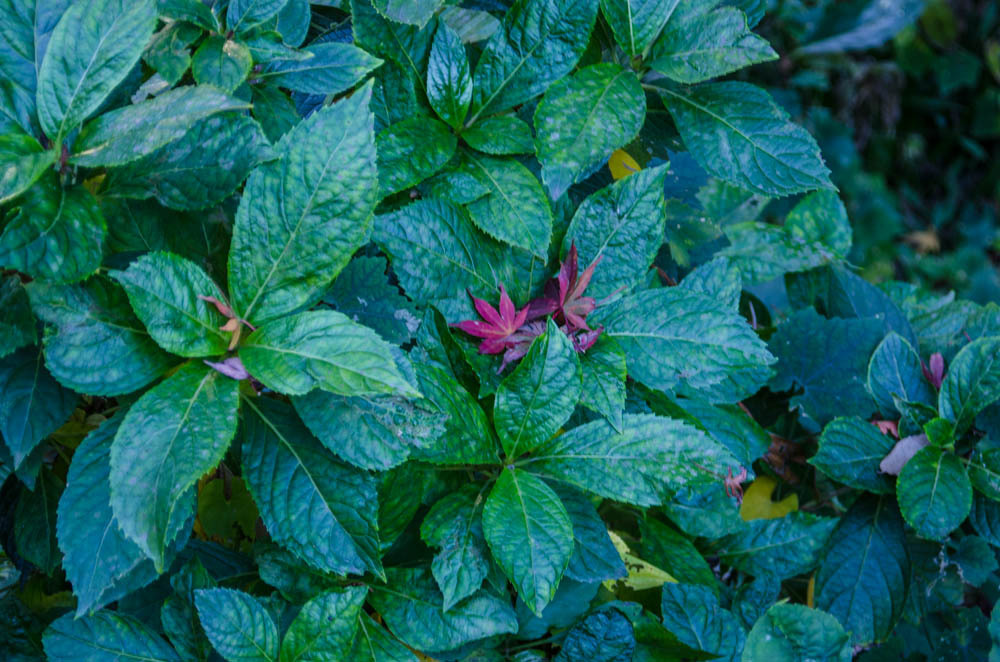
column 868, row 26
column 454, row 524
column 709, row 45
column 730, row 426
column 191, row 11
column 972, row 383
column 324, row 629
column 783, row 547
column 330, row 68
column 199, row 170
column 539, row 42
column 530, row 534
column 539, row 396
column 672, row 552
column 238, row 626
column 95, row 344
column 604, row 373
column 514, row 208
column 32, row 404
column 126, row 134
column 411, row 151
column 100, row 562
column 637, row 23
column 641, row 465
column 850, row 451
column 22, row 162
column 827, row 359
column 821, row 217
column 692, row 612
column 169, row 53
column 984, row 470
column 172, row 436
column 164, row 290
column 35, row 518
column 106, row 636
column 672, row 336
column 411, row 606
column 583, row 119
column 303, row 215
column 321, row 509
column 224, row 63
column 54, row 234
column 408, row 46
column 594, row 556
column 17, row 324
column 414, row 12
column 895, row 373
column 934, row 492
column 374, row 644
column 505, row 134
column 323, row 349
column 245, row 14
column 92, row 49
column 604, row 636
column 736, row 132
column 788, row 633
column 449, row 82
column 621, row 225
column 364, row 293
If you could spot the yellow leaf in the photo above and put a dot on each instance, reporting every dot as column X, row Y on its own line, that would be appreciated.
column 641, row 574
column 94, row 183
column 622, row 165
column 757, row 502
column 811, row 591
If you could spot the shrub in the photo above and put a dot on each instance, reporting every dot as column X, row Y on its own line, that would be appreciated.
column 466, row 332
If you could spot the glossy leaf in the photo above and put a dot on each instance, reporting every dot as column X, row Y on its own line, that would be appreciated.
column 788, row 632
column 22, row 162
column 412, row 150
column 934, row 492
column 329, row 68
column 238, row 626
column 103, row 636
column 323, row 631
column 449, row 81
column 224, row 63
column 850, row 451
column 636, row 24
column 972, row 382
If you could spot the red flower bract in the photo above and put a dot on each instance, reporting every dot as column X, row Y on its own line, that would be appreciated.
column 498, row 325
column 564, row 294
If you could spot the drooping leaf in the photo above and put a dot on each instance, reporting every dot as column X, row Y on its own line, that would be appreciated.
column 789, row 632
column 174, row 434
column 671, row 551
column 934, row 492
column 166, row 292
column 850, row 451
column 449, row 81
column 102, row 637
column 92, row 49
column 583, row 119
column 330, row 68
column 303, row 215
column 323, row 631
column 972, row 382
column 692, row 612
column 530, row 534
column 411, row 151
column 739, row 134
column 238, row 626
column 321, row 509
column 455, row 525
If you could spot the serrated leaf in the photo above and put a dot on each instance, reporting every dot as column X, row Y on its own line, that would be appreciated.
column 671, row 551
column 92, row 49
column 174, row 434
column 408, row 46
column 22, row 162
column 35, row 523
column 539, row 396
column 894, row 372
column 126, row 134
column 364, row 293
column 583, row 119
column 449, row 81
column 730, row 426
column 530, row 534
column 621, row 225
column 323, row 631
column 323, row 349
column 539, row 42
column 850, row 451
column 322, row 510
column 641, row 465
column 739, row 134
column 604, row 372
column 972, row 383
column 17, row 324
column 637, row 23
column 104, row 637
column 672, row 336
column 934, row 492
column 224, row 63
column 693, row 614
column 984, row 470
column 242, row 15
column 504, row 134
column 164, row 290
column 783, row 547
column 411, row 151
column 712, row 44
column 594, row 558
column 411, row 606
column 374, row 644
column 414, row 12
column 864, row 578
column 95, row 344
column 303, row 215
column 54, row 234
column 331, row 68
column 32, row 404
column 454, row 524
column 788, row 632
column 604, row 636
column 238, row 626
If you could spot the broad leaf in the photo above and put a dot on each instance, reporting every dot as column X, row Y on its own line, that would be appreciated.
column 92, row 49
column 321, row 509
column 224, row 63
column 22, row 162
column 895, row 374
column 242, row 15
column 789, row 632
column 637, row 23
column 323, row 631
column 17, row 324
column 530, row 535
column 692, row 613
column 783, row 547
column 539, row 396
column 172, row 436
column 449, row 82
column 412, row 150
column 604, row 373
column 95, row 344
column 972, row 382
column 364, row 293
column 503, row 134
column 594, row 555
column 604, row 636
column 102, row 637
column 323, row 349
column 329, row 68
column 868, row 27
column 374, row 644
column 35, row 521
column 414, row 12
column 934, row 492
column 408, row 46
column 166, row 292
column 303, row 215
column 850, row 451
column 739, row 134
column 454, row 524
column 583, row 119
column 238, row 626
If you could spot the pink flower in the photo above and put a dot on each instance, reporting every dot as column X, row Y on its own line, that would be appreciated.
column 498, row 326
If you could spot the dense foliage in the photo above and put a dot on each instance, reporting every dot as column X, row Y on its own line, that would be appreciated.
column 384, row 331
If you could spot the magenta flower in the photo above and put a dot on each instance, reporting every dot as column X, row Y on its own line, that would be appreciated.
column 498, row 326
column 564, row 295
